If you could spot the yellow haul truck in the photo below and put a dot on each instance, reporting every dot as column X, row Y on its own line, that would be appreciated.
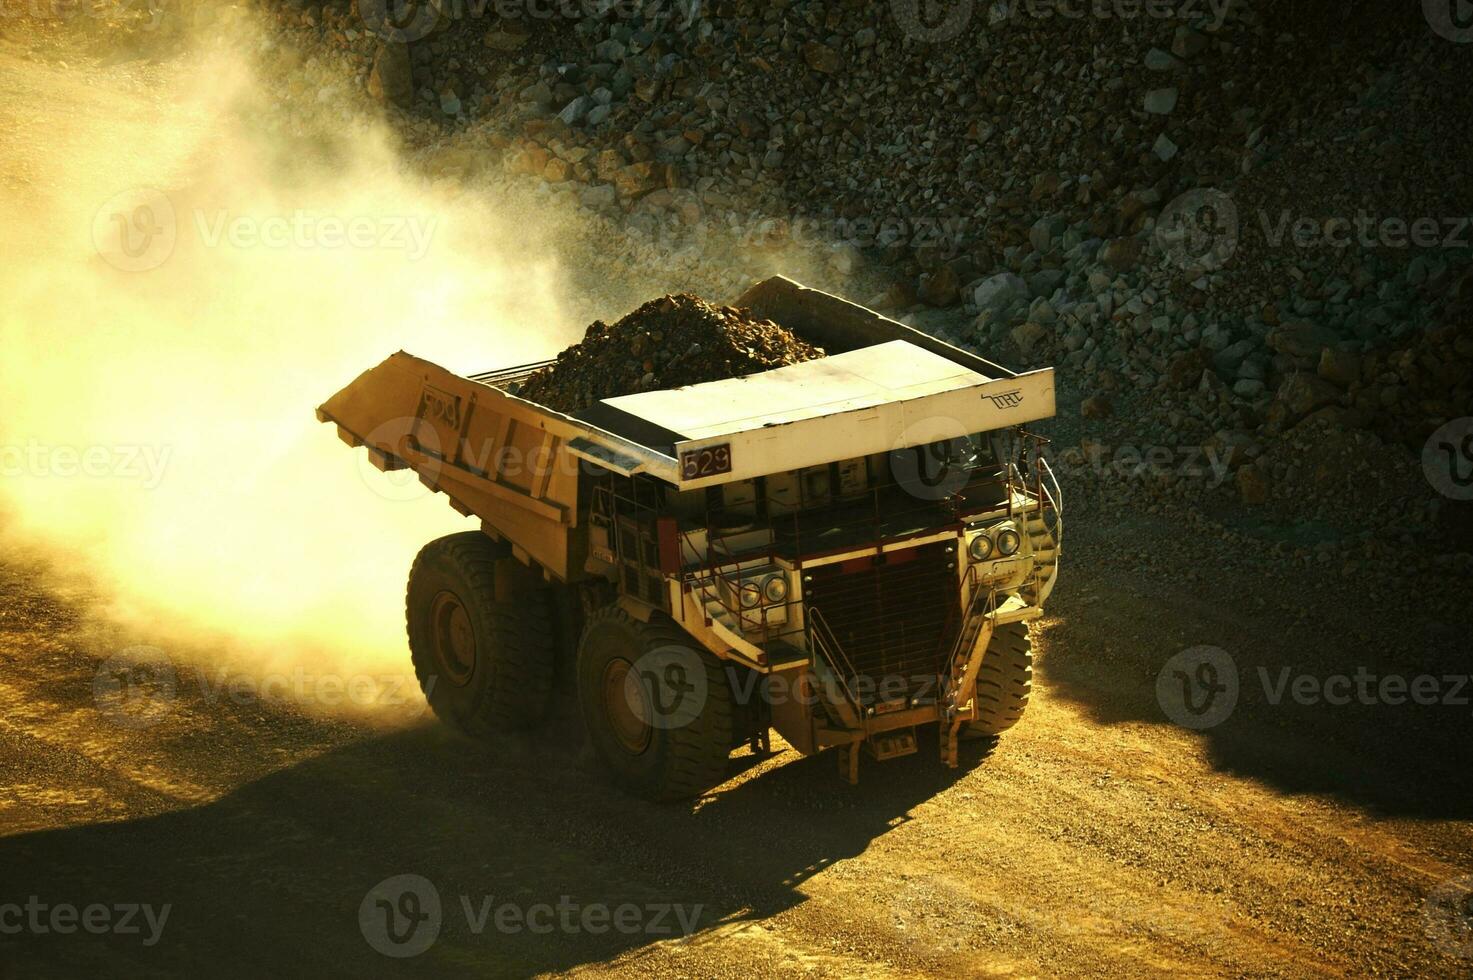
column 842, row 550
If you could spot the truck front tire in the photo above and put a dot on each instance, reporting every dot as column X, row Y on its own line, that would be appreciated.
column 657, row 707
column 480, row 634
column 1004, row 682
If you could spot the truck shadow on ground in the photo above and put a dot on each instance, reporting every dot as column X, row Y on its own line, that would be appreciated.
column 276, row 873
column 1111, row 634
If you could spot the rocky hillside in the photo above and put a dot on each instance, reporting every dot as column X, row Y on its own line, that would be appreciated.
column 1230, row 224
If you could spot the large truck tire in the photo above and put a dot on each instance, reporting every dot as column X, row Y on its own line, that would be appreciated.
column 657, row 707
column 480, row 634
column 1004, row 681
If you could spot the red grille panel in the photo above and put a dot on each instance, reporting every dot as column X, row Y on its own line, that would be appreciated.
column 892, row 620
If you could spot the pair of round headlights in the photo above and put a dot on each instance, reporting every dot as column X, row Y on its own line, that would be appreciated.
column 773, row 589
column 1008, row 543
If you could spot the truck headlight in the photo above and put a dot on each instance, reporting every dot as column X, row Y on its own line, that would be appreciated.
column 775, row 588
column 751, row 595
column 1009, row 541
column 980, row 548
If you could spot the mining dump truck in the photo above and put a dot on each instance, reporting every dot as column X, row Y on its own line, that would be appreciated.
column 843, row 550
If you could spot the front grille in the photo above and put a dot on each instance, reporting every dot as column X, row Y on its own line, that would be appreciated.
column 894, row 621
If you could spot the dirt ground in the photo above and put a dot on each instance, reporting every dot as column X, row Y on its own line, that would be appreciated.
column 1096, row 838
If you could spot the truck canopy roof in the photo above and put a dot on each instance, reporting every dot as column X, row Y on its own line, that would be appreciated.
column 870, row 400
column 884, row 374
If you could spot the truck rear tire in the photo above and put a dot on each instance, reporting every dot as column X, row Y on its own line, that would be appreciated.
column 1004, row 682
column 480, row 634
column 657, row 707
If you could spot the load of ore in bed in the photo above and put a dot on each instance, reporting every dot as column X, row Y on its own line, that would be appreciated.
column 667, row 343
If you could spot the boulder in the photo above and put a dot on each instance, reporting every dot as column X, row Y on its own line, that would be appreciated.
column 821, row 57
column 1253, row 487
column 1121, row 254
column 1000, row 292
column 1302, row 393
column 391, row 79
column 1028, row 334
column 1339, row 367
column 1302, row 338
column 939, row 288
column 1161, row 101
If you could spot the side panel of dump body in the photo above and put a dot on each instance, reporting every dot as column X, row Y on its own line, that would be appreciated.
column 507, row 461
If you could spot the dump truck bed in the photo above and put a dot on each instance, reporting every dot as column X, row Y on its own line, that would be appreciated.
column 515, row 463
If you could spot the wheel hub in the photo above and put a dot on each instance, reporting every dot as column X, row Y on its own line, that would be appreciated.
column 620, row 690
column 454, row 638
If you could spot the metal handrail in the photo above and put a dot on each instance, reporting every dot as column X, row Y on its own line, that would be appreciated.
column 1057, row 497
column 822, row 642
column 956, row 648
column 710, row 590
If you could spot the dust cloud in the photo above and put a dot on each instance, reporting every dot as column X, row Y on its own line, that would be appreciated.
column 196, row 254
